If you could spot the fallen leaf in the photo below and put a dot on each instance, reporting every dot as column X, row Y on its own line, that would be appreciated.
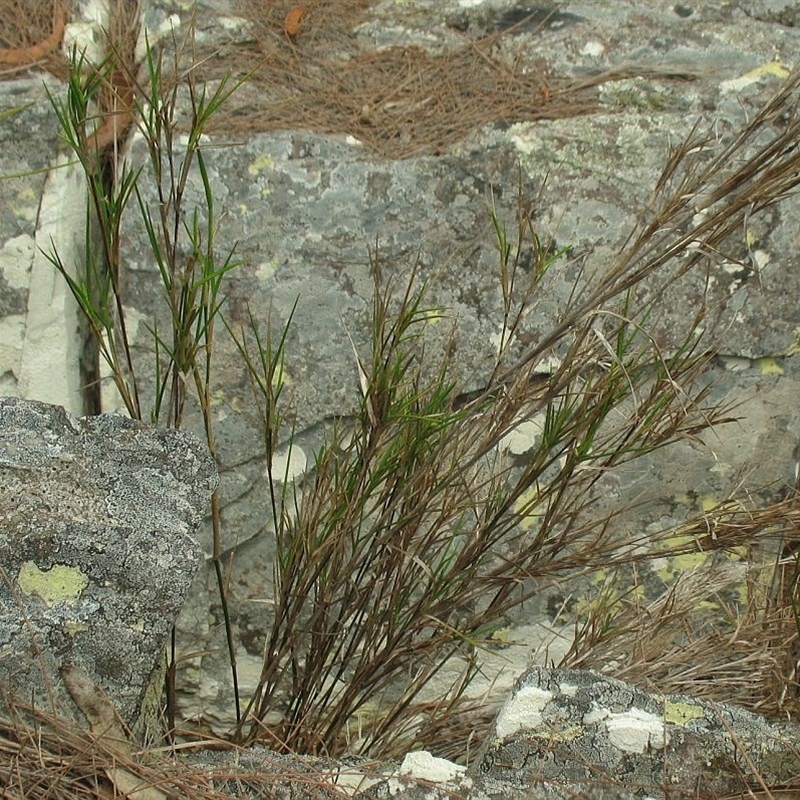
column 294, row 20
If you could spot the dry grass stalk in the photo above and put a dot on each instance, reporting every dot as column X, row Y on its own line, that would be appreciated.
column 43, row 757
column 694, row 639
column 413, row 539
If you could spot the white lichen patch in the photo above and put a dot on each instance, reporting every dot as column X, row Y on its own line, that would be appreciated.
column 16, row 257
column 524, row 437
column 593, row 48
column 266, row 269
column 289, row 463
column 634, row 730
column 522, row 711
column 422, row 765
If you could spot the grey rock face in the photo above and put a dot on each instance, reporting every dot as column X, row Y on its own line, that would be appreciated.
column 305, row 206
column 578, row 734
column 96, row 548
column 41, row 348
column 579, row 727
column 302, row 207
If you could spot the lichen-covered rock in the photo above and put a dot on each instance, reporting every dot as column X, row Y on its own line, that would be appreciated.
column 96, row 523
column 579, row 727
column 302, row 206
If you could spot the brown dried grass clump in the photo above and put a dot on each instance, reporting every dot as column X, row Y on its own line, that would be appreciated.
column 400, row 101
column 45, row 757
column 723, row 632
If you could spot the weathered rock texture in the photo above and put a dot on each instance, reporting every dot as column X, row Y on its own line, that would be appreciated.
column 577, row 727
column 563, row 734
column 41, row 351
column 304, row 204
column 574, row 733
column 96, row 548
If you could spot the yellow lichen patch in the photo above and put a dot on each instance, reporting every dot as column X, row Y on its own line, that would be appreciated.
column 527, row 504
column 503, row 636
column 773, row 68
column 794, row 347
column 769, row 366
column 260, row 164
column 669, row 567
column 708, row 502
column 73, row 627
column 222, row 399
column 280, row 378
column 598, row 577
column 680, row 713
column 60, row 584
column 567, row 735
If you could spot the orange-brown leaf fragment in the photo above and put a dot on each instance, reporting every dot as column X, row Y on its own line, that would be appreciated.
column 29, row 55
column 294, row 20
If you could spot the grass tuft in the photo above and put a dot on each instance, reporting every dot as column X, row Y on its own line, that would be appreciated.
column 421, row 529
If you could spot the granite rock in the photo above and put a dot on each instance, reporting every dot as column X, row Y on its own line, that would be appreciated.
column 97, row 517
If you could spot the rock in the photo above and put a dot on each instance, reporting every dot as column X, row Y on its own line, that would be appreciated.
column 96, row 523
column 580, row 727
column 578, row 734
column 41, row 344
column 305, row 203
column 562, row 735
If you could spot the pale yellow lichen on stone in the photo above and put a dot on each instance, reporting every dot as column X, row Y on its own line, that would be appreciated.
column 679, row 713
column 794, row 347
column 769, row 366
column 74, row 627
column 773, row 69
column 567, row 735
column 527, row 502
column 27, row 195
column 708, row 502
column 266, row 269
column 60, row 584
column 670, row 567
column 260, row 164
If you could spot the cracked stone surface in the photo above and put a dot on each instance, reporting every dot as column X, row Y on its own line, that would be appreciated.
column 97, row 517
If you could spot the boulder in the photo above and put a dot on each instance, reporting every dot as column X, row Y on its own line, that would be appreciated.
column 97, row 553
column 579, row 727
column 579, row 734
